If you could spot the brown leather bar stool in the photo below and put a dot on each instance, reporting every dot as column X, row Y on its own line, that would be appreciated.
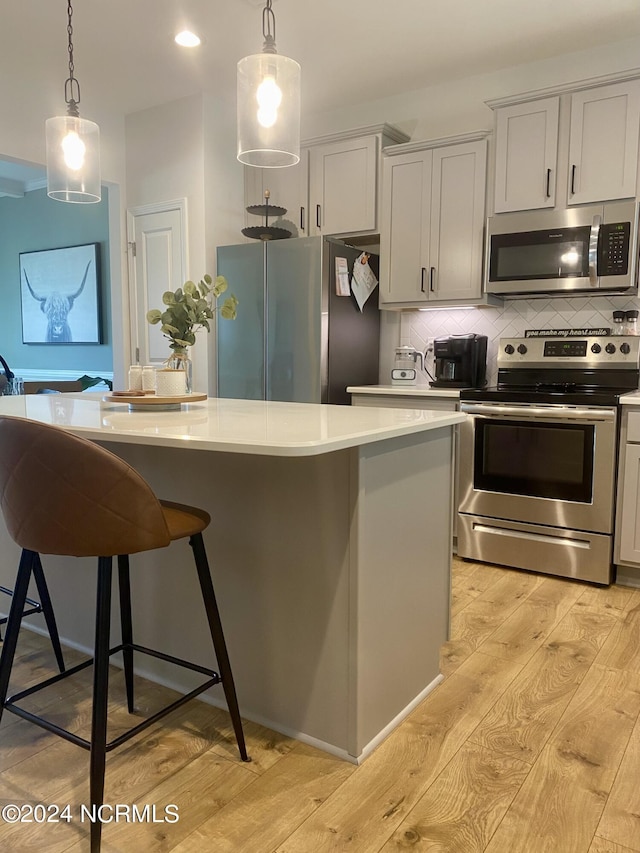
column 43, row 606
column 61, row 494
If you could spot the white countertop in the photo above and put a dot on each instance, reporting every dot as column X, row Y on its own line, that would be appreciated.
column 631, row 399
column 405, row 391
column 231, row 426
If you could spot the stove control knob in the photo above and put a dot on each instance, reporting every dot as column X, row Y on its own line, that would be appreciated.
column 625, row 348
column 522, row 349
column 596, row 348
column 610, row 348
column 509, row 349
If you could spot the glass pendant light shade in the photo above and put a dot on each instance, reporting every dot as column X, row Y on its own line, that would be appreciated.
column 73, row 159
column 268, row 110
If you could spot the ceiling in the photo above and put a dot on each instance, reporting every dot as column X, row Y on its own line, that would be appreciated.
column 350, row 50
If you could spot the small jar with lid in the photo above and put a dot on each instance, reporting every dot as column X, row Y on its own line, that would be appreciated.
column 631, row 322
column 619, row 322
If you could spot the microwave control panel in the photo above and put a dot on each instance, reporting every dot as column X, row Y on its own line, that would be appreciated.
column 613, row 248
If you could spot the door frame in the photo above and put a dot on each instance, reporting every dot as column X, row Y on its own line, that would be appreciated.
column 179, row 205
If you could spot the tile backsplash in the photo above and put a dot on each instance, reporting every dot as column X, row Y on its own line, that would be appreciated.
column 418, row 328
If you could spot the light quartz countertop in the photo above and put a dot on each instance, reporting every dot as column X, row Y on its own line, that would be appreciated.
column 231, row 426
column 631, row 399
column 405, row 391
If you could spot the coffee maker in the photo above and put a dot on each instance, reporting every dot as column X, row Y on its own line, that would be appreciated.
column 460, row 361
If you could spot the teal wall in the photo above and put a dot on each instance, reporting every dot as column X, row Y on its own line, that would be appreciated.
column 37, row 222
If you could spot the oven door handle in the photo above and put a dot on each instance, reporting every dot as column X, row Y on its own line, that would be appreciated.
column 594, row 237
column 560, row 413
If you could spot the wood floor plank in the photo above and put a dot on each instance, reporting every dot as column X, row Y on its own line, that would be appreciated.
column 528, row 626
column 562, row 799
column 475, row 623
column 461, row 810
column 366, row 810
column 601, row 845
column 262, row 816
column 622, row 650
column 613, row 599
column 522, row 719
column 620, row 821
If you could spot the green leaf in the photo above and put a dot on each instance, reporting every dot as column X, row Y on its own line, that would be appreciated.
column 220, row 285
column 189, row 288
column 168, row 297
column 154, row 316
column 207, row 278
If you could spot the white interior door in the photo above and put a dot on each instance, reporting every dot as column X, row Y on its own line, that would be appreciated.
column 157, row 262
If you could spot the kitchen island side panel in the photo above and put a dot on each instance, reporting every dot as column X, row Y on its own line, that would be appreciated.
column 400, row 601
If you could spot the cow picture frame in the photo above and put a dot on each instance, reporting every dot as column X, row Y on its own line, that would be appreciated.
column 60, row 295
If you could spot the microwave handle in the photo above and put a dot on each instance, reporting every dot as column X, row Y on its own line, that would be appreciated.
column 593, row 249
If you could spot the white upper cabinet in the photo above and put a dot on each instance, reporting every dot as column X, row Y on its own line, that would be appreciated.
column 432, row 222
column 576, row 147
column 335, row 188
column 603, row 143
column 526, row 155
column 343, row 186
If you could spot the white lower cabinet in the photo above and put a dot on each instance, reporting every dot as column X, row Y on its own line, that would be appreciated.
column 627, row 549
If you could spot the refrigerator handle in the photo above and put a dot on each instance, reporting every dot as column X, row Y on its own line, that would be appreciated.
column 302, row 218
column 318, row 216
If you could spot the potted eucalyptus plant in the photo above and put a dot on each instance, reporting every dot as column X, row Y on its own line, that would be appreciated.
column 188, row 309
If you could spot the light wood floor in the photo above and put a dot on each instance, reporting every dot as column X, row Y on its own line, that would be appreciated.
column 531, row 744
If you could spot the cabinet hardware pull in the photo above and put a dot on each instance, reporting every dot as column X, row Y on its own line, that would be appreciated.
column 432, row 273
column 548, row 183
column 422, row 275
column 318, row 215
column 573, row 180
column 302, row 218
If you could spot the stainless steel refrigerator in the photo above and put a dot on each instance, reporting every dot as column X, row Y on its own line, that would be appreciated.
column 295, row 339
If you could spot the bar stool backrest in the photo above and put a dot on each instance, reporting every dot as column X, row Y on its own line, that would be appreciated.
column 62, row 494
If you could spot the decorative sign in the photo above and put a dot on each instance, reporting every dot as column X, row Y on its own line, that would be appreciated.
column 599, row 332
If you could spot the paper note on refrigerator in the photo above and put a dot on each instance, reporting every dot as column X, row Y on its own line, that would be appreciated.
column 363, row 281
column 342, row 277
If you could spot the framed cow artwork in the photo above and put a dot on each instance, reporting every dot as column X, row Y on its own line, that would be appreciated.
column 60, row 292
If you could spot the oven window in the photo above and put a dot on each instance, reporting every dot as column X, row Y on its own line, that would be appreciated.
column 537, row 460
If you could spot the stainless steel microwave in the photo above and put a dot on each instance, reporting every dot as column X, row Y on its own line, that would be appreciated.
column 581, row 249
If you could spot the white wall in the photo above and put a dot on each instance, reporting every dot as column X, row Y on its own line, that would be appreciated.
column 165, row 162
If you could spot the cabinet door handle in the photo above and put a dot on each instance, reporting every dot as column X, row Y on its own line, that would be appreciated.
column 302, row 218
column 318, row 215
column 432, row 273
column 422, row 275
column 573, row 179
column 548, row 183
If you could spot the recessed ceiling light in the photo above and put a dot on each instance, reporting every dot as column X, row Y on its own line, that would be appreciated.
column 187, row 39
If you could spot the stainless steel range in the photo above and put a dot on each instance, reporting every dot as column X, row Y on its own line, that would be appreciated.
column 537, row 467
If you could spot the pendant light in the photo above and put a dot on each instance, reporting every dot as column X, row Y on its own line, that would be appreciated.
column 268, row 103
column 73, row 145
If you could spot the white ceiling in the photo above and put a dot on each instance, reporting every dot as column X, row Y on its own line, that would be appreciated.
column 350, row 50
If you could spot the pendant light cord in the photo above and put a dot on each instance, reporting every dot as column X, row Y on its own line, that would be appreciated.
column 269, row 29
column 71, row 85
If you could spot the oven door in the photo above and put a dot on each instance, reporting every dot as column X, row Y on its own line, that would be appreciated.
column 551, row 465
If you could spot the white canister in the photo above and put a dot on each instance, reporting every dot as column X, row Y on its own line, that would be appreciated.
column 135, row 377
column 148, row 378
column 170, row 383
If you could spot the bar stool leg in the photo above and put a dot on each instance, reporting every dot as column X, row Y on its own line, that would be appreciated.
column 98, row 751
column 13, row 624
column 219, row 645
column 124, row 586
column 47, row 610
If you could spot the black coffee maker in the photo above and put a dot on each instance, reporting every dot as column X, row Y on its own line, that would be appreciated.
column 460, row 361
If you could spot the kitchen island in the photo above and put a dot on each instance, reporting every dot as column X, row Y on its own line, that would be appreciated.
column 329, row 547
